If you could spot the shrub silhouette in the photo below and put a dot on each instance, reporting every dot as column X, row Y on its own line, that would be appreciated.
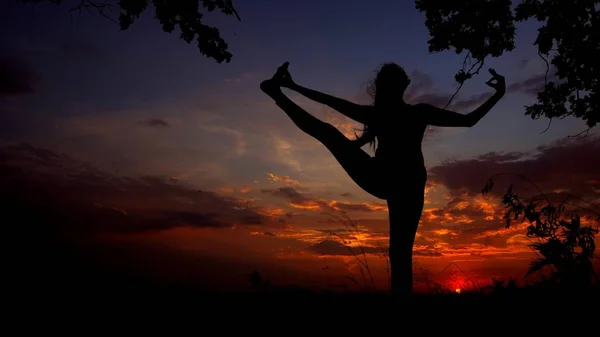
column 562, row 243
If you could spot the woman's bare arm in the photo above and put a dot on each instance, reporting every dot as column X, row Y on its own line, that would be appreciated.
column 441, row 117
column 357, row 112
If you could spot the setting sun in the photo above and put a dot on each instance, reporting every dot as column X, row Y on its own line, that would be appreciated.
column 457, row 290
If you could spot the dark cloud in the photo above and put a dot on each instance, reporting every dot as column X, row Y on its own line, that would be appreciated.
column 501, row 156
column 471, row 103
column 79, row 197
column 532, row 85
column 362, row 207
column 192, row 219
column 252, row 220
column 267, row 233
column 329, row 221
column 15, row 77
column 420, row 89
column 568, row 165
column 421, row 83
column 156, row 122
column 289, row 193
column 437, row 100
column 332, row 247
column 115, row 220
column 353, row 207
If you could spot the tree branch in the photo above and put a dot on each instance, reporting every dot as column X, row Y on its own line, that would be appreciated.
column 89, row 5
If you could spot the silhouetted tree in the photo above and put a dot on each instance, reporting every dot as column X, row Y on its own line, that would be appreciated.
column 569, row 36
column 185, row 14
column 562, row 242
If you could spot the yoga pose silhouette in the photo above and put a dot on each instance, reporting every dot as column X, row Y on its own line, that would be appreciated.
column 397, row 171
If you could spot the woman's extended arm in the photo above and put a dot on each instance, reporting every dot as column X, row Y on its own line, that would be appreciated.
column 440, row 117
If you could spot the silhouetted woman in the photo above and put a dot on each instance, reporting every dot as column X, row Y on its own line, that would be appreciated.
column 397, row 171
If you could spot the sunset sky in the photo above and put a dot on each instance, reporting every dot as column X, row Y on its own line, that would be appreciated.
column 150, row 148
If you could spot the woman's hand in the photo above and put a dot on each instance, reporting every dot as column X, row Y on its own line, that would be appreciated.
column 499, row 85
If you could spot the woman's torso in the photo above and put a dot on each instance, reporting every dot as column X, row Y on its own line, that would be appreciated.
column 399, row 137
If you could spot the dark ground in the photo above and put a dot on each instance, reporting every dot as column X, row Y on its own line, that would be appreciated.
column 110, row 302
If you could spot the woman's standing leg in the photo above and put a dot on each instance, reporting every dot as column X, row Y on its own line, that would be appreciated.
column 404, row 214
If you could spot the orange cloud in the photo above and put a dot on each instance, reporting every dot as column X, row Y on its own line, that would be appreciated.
column 226, row 190
column 348, row 127
column 283, row 179
column 308, row 205
column 304, row 201
column 361, row 207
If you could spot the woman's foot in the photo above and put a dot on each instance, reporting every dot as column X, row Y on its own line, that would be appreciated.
column 273, row 84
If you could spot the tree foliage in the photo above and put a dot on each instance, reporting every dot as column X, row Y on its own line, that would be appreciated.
column 559, row 238
column 569, row 37
column 187, row 15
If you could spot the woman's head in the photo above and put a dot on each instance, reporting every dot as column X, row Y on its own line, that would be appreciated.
column 386, row 89
column 389, row 85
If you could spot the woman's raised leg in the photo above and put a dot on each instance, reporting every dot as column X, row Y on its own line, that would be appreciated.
column 356, row 162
